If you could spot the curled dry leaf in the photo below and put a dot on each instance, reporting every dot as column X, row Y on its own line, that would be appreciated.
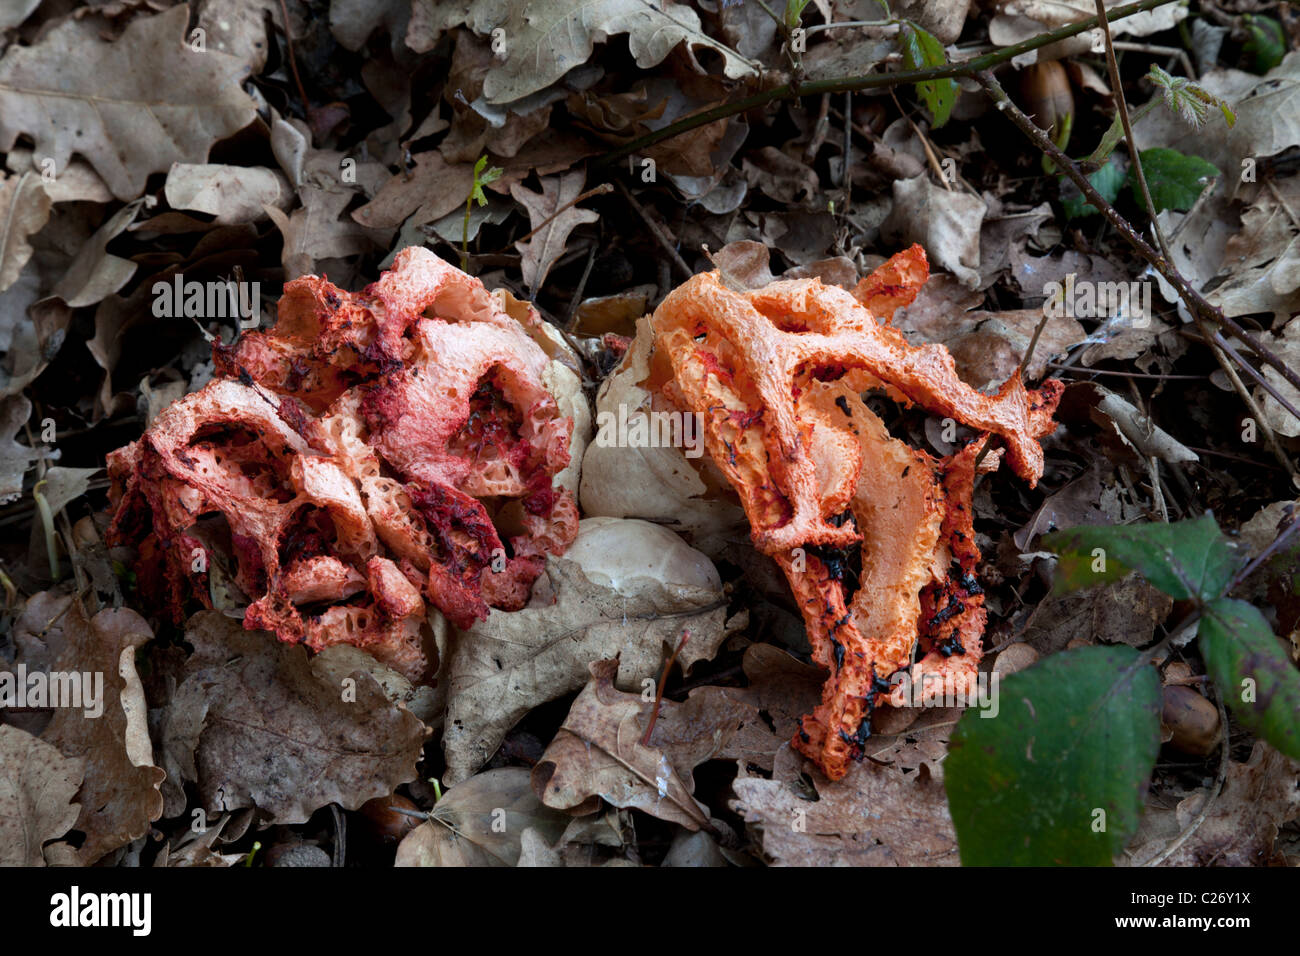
column 95, row 273
column 653, row 479
column 1262, row 262
column 229, row 193
column 424, row 194
column 254, row 725
column 37, row 786
column 483, row 821
column 946, row 222
column 73, row 91
column 1287, row 344
column 874, row 816
column 120, row 796
column 599, row 752
column 503, row 667
column 14, row 456
column 316, row 231
column 24, row 209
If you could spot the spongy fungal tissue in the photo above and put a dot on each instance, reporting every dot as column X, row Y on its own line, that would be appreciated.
column 778, row 374
column 372, row 455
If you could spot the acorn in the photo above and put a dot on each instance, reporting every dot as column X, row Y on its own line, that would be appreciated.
column 385, row 822
column 1191, row 721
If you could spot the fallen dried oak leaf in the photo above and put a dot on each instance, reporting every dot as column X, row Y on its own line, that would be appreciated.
column 119, row 796
column 503, row 667
column 72, row 91
column 481, row 822
column 598, row 753
column 873, row 816
column 254, row 726
column 37, row 786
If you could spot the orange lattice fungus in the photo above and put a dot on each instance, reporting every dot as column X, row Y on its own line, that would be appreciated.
column 371, row 452
column 778, row 374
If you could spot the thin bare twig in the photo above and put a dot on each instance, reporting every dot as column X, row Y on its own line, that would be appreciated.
column 656, row 231
column 1195, row 302
column 844, row 84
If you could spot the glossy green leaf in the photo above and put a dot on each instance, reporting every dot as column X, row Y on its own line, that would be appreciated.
column 1058, row 776
column 1185, row 559
column 922, row 50
column 1253, row 673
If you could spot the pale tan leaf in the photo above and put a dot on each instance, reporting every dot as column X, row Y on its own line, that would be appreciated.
column 229, row 193
column 74, row 92
column 503, row 667
column 37, row 785
column 482, row 821
column 546, row 39
column 24, row 209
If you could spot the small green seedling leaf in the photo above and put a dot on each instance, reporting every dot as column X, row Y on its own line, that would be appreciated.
column 1058, row 776
column 794, row 12
column 920, row 51
column 1175, row 180
column 482, row 176
column 1185, row 559
column 1106, row 181
column 1258, row 682
column 1189, row 100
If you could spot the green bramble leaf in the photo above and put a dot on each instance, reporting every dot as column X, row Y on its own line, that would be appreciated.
column 1258, row 682
column 1185, row 559
column 920, row 51
column 1058, row 776
column 1175, row 180
column 1265, row 43
column 1106, row 181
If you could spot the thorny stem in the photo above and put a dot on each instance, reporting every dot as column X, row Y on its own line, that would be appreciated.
column 1195, row 302
column 1292, row 526
column 1270, row 439
column 843, row 84
column 1122, row 107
